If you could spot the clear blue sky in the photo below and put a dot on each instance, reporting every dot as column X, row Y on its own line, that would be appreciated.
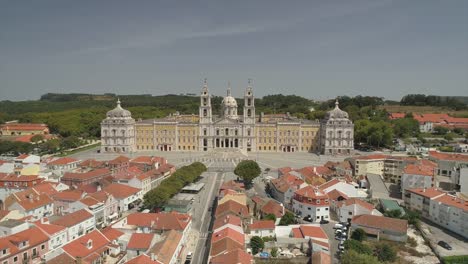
column 316, row 49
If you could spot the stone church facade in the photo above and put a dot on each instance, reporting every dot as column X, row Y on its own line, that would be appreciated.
column 231, row 131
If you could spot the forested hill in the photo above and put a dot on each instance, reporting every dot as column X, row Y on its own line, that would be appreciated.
column 81, row 114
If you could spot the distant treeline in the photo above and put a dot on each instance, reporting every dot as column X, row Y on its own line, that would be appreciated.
column 452, row 102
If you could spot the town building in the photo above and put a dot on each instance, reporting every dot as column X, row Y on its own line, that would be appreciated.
column 230, row 130
column 418, row 176
column 77, row 223
column 30, row 203
column 18, row 129
column 381, row 227
column 347, row 209
column 262, row 228
column 24, row 247
column 311, row 202
column 448, row 168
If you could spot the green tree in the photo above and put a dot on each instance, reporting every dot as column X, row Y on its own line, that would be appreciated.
column 352, row 257
column 459, row 131
column 385, row 252
column 359, row 234
column 405, row 127
column 269, row 217
column 274, row 252
column 440, row 130
column 37, row 138
column 288, row 219
column 396, row 213
column 257, row 244
column 357, row 246
column 51, row 145
column 247, row 170
column 412, row 217
column 448, row 137
column 70, row 142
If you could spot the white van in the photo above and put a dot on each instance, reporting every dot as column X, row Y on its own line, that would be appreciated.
column 338, row 226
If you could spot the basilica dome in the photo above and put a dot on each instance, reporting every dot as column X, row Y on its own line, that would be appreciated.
column 229, row 101
column 118, row 111
column 337, row 113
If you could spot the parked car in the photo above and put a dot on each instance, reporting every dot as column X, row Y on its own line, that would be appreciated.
column 344, row 228
column 341, row 247
column 189, row 256
column 338, row 231
column 444, row 245
column 338, row 226
column 323, row 221
column 308, row 218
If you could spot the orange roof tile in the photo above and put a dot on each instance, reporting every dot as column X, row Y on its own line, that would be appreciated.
column 232, row 207
column 233, row 185
column 236, row 256
column 61, row 259
column 86, row 175
column 48, row 228
column 453, row 201
column 91, row 163
column 121, row 191
column 329, row 184
column 226, row 244
column 140, row 241
column 46, row 188
column 89, row 201
column 72, row 219
column 24, row 126
column 119, row 160
column 359, row 202
column 31, row 199
column 69, row 195
column 228, row 232
column 34, row 236
column 142, row 259
column 80, row 248
column 62, row 161
column 262, row 224
column 111, row 233
column 312, row 232
column 335, row 195
column 447, row 156
column 228, row 219
column 165, row 249
column 381, row 222
column 311, row 192
column 273, row 207
column 419, row 169
column 160, row 221
column 321, row 257
column 427, row 192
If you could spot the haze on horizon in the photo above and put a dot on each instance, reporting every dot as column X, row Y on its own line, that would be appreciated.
column 316, row 49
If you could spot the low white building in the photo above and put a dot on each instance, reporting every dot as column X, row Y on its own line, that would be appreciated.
column 462, row 148
column 30, row 203
column 441, row 208
column 262, row 228
column 418, row 176
column 57, row 234
column 349, row 189
column 61, row 165
column 78, row 223
column 126, row 196
column 310, row 201
column 12, row 226
column 464, row 180
column 347, row 209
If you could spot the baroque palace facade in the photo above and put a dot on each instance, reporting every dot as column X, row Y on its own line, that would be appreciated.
column 247, row 132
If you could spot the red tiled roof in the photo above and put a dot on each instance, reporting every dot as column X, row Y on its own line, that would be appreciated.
column 329, row 184
column 86, row 175
column 112, row 233
column 159, row 221
column 335, row 194
column 46, row 188
column 233, row 185
column 91, row 163
column 321, row 257
column 129, row 173
column 69, row 195
column 228, row 232
column 232, row 207
column 119, row 160
column 142, row 259
column 236, row 256
column 226, row 244
column 262, row 224
column 447, row 156
column 427, row 192
column 24, row 126
column 79, row 247
column 3, row 213
column 89, row 201
column 228, row 219
column 165, row 249
column 419, row 169
column 121, row 191
column 33, row 235
column 453, row 201
column 284, row 170
column 311, row 192
column 396, row 115
column 433, row 118
column 62, row 161
column 72, row 219
column 101, row 196
column 48, row 228
column 304, row 231
column 31, row 199
column 283, row 183
column 273, row 207
column 61, row 259
column 140, row 241
column 20, row 178
column 359, row 202
column 381, row 222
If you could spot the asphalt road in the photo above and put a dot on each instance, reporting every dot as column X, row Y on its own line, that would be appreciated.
column 203, row 217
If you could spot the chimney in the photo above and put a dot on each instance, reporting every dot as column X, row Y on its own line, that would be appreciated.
column 282, row 208
column 153, row 257
column 30, row 197
column 99, row 188
column 89, row 244
column 78, row 260
column 424, row 190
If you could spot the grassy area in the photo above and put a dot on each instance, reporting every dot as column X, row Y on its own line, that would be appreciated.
column 455, row 259
column 423, row 110
column 67, row 153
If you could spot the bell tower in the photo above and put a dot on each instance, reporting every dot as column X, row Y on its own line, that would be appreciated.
column 205, row 105
column 249, row 105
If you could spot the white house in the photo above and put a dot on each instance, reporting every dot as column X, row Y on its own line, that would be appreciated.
column 418, row 176
column 78, row 223
column 61, row 165
column 313, row 202
column 57, row 234
column 349, row 189
column 352, row 207
column 30, row 203
column 126, row 196
column 262, row 228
